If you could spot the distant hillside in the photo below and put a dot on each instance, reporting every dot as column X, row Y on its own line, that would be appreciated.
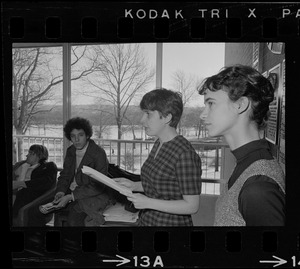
column 54, row 115
column 102, row 115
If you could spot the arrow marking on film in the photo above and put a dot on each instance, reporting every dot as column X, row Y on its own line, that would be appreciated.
column 121, row 262
column 278, row 262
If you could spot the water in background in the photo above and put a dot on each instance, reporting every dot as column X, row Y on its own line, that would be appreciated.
column 110, row 132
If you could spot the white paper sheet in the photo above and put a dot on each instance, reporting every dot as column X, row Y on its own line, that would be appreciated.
column 105, row 180
column 118, row 213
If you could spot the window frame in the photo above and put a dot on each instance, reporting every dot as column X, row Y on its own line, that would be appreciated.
column 67, row 74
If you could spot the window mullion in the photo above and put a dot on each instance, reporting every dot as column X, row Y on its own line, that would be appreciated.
column 159, row 56
column 66, row 89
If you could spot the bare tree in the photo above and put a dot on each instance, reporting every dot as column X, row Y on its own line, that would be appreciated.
column 122, row 73
column 133, row 118
column 103, row 119
column 35, row 79
column 186, row 85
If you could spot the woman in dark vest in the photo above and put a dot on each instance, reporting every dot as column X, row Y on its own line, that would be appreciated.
column 237, row 107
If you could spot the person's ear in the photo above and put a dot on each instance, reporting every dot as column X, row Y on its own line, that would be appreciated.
column 243, row 104
column 168, row 118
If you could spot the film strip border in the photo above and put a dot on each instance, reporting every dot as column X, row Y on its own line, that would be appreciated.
column 161, row 28
column 161, row 247
column 164, row 21
column 158, row 22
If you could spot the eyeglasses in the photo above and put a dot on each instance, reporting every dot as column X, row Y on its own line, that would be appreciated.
column 31, row 153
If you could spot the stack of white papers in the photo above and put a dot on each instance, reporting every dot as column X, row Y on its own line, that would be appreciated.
column 105, row 180
column 117, row 212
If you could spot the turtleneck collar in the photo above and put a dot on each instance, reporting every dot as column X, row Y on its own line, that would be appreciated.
column 242, row 152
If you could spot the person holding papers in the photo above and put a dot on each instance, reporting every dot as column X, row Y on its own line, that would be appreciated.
column 171, row 175
column 79, row 195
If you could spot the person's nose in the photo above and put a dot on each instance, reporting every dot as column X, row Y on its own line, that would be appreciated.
column 203, row 115
column 76, row 138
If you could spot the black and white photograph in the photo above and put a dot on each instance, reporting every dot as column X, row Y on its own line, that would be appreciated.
column 151, row 135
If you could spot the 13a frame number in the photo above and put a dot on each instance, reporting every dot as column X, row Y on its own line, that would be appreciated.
column 145, row 261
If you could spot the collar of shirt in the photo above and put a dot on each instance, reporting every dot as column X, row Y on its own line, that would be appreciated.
column 242, row 152
column 29, row 171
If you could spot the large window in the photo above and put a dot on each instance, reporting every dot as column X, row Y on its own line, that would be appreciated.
column 108, row 83
column 105, row 83
column 37, row 100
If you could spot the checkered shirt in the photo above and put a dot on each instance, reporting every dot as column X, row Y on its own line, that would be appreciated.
column 174, row 172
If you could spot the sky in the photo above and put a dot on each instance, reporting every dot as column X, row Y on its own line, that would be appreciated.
column 194, row 59
column 198, row 59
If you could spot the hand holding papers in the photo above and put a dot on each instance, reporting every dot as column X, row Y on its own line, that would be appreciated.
column 106, row 180
column 55, row 204
column 47, row 208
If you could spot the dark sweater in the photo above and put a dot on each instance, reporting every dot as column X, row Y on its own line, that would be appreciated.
column 41, row 180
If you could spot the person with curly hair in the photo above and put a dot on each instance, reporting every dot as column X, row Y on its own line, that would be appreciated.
column 237, row 107
column 80, row 197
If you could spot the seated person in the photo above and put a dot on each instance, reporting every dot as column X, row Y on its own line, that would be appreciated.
column 32, row 177
column 80, row 198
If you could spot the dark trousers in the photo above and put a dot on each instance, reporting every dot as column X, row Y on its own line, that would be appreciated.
column 23, row 197
column 64, row 217
column 69, row 216
column 36, row 218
